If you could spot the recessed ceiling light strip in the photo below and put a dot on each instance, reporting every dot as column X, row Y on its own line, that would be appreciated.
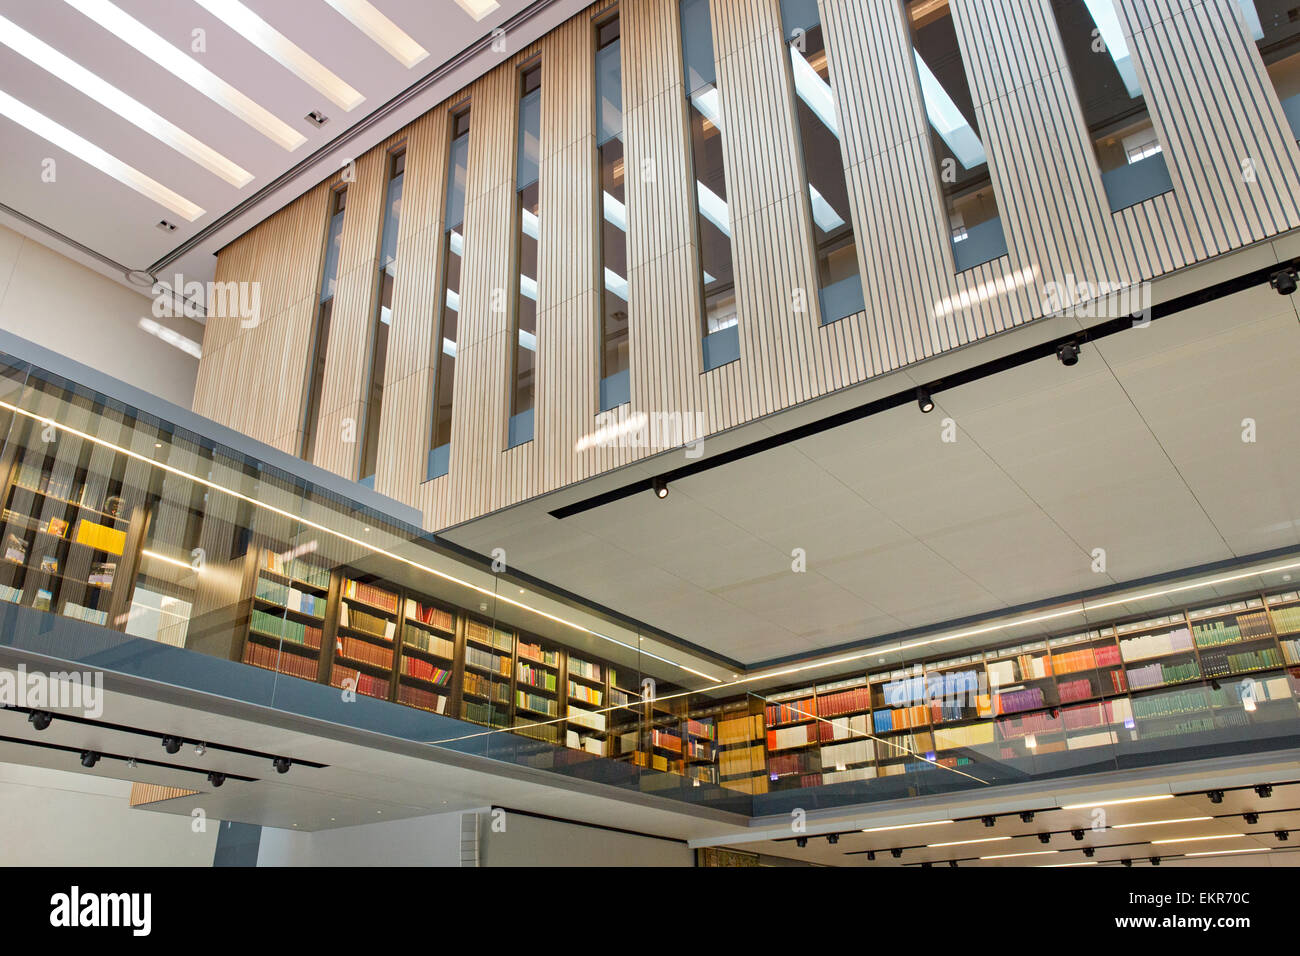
column 283, row 50
column 366, row 17
column 125, row 106
column 105, row 162
column 184, row 67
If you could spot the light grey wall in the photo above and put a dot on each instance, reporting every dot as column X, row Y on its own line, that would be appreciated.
column 60, row 818
column 55, row 302
column 420, row 841
column 532, row 841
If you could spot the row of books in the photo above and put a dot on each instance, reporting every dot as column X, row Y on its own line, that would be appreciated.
column 544, row 732
column 1156, row 645
column 498, row 691
column 370, row 594
column 1085, row 659
column 1014, row 701
column 700, row 728
column 534, row 676
column 1187, row 701
column 969, row 735
column 1026, row 666
column 844, row 702
column 535, row 652
column 784, row 713
column 586, row 693
column 82, row 613
column 578, row 741
column 432, row 643
column 1219, row 663
column 535, row 702
column 850, row 752
column 1291, row 651
column 496, row 663
column 297, row 569
column 585, row 669
column 430, row 615
column 740, row 730
column 488, row 636
column 666, row 741
column 697, row 749
column 276, row 625
column 285, row 596
column 12, row 595
column 366, row 652
column 1287, row 619
column 901, row 718
column 421, row 698
column 1214, row 633
column 368, row 684
column 31, row 476
column 373, row 624
column 479, row 712
column 783, row 738
column 272, row 658
column 425, row 670
column 1156, row 674
column 587, row 718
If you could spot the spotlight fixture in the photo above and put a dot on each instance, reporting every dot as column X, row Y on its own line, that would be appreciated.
column 200, row 750
column 832, row 838
column 89, row 758
column 1215, row 685
column 1282, row 835
column 871, row 855
column 896, row 853
column 1127, row 862
column 1068, row 353
column 1216, row 796
column 988, row 821
column 923, row 399
column 172, row 744
column 661, row 487
column 1264, row 790
column 1077, row 834
column 801, row 842
column 1044, row 838
column 216, row 779
column 1284, row 280
column 40, row 719
column 282, row 764
column 1089, row 851
column 1155, row 861
column 1027, row 816
column 1252, row 818
column 132, row 763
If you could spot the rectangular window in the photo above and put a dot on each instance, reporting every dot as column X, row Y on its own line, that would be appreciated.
column 974, row 223
column 453, row 247
column 615, row 384
column 527, row 231
column 839, row 284
column 329, row 275
column 374, row 399
column 1128, row 150
column 713, row 220
column 1274, row 25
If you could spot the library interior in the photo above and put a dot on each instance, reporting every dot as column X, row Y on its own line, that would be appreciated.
column 658, row 433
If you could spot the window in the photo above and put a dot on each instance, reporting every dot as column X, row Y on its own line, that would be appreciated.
column 528, row 232
column 615, row 386
column 1128, row 150
column 840, row 285
column 444, row 343
column 1274, row 25
column 974, row 222
column 329, row 275
column 374, row 399
column 713, row 220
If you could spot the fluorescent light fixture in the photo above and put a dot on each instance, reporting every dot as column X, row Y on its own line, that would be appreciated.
column 1112, row 35
column 110, row 97
column 1159, row 823
column 947, row 120
column 448, row 348
column 824, row 214
column 162, row 557
column 1250, row 849
column 283, row 50
column 1115, row 803
column 528, row 289
column 529, row 225
column 714, row 208
column 528, row 340
column 1056, row 866
column 707, row 102
column 814, row 91
column 478, row 9
column 615, row 212
column 1198, row 839
column 453, row 300
column 366, row 17
column 184, row 67
column 88, row 152
column 170, row 336
column 457, row 243
column 615, row 283
column 1007, row 856
column 935, row 846
column 907, row 826
column 982, row 293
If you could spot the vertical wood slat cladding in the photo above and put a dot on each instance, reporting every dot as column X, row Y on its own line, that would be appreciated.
column 1212, row 103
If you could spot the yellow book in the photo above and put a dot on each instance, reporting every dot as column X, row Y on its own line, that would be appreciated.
column 101, row 537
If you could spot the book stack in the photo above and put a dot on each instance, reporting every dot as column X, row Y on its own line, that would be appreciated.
column 421, row 698
column 372, row 624
column 783, row 738
column 481, row 633
column 971, row 735
column 535, row 676
column 700, row 728
column 429, row 643
column 429, row 615
column 425, row 670
column 1287, row 618
column 587, row 718
column 486, row 660
column 1290, row 649
column 666, row 741
column 850, row 701
column 83, row 613
column 370, row 594
column 1156, row 674
column 785, row 713
column 535, row 703
column 1074, row 690
column 1188, row 701
column 585, row 670
column 900, row 718
column 1220, row 662
column 1010, row 702
column 1215, row 633
column 366, row 652
column 274, row 625
column 585, row 693
column 481, row 686
column 270, row 658
column 1156, row 645
column 535, row 652
column 366, row 684
column 482, row 713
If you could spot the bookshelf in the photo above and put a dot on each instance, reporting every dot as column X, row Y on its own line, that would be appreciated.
column 538, row 683
column 742, row 751
column 286, row 621
column 364, row 649
column 428, row 655
column 586, row 698
column 487, row 675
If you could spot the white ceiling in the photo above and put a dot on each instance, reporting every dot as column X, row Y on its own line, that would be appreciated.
column 1138, row 450
column 114, row 221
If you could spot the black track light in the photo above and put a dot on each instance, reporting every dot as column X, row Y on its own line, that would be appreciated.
column 1251, row 818
column 896, row 853
column 1282, row 835
column 988, row 821
column 1285, row 280
column 1155, row 861
column 282, row 764
column 1216, row 796
column 871, row 855
column 40, row 719
column 1089, row 851
column 1068, row 353
column 1264, row 790
column 1027, row 816
column 661, row 487
column 172, row 744
column 1127, row 862
column 923, row 399
column 89, row 758
column 216, row 779
column 832, row 838
column 1215, row 685
column 953, row 864
column 1044, row 838
column 1077, row 834
column 801, row 842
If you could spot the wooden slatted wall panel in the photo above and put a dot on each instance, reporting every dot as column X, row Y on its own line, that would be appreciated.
column 1206, row 87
